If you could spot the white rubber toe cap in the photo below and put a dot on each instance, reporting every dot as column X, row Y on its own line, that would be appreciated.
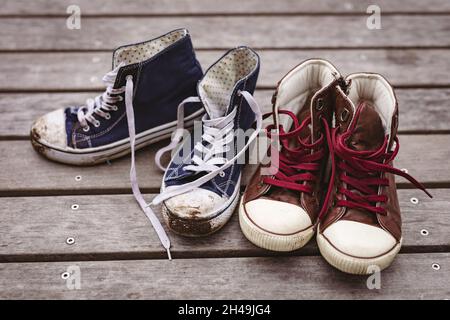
column 359, row 239
column 277, row 217
column 50, row 129
column 198, row 203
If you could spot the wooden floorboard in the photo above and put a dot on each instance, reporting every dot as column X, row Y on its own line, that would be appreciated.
column 410, row 277
column 26, row 172
column 310, row 32
column 84, row 71
column 45, row 66
column 113, row 227
column 421, row 110
column 208, row 7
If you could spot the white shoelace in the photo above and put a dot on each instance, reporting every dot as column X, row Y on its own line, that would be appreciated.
column 162, row 235
column 178, row 134
column 219, row 134
column 102, row 104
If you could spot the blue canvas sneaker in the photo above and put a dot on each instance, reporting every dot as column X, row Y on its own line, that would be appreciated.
column 200, row 188
column 164, row 71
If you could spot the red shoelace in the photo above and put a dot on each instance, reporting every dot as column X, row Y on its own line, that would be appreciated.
column 296, row 164
column 361, row 172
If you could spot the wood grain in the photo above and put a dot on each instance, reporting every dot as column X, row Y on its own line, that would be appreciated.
column 208, row 7
column 410, row 277
column 225, row 32
column 107, row 227
column 421, row 110
column 84, row 71
column 26, row 172
column 46, row 66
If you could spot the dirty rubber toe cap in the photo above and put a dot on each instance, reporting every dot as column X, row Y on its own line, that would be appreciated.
column 196, row 204
column 50, row 129
column 277, row 217
column 359, row 239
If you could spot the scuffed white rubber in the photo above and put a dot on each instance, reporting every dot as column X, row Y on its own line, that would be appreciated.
column 203, row 227
column 354, row 265
column 91, row 156
column 270, row 241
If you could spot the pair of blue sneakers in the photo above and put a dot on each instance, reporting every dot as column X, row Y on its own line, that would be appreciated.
column 156, row 89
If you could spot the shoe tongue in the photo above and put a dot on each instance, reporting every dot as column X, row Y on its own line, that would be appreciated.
column 369, row 131
column 215, row 101
column 110, row 78
column 213, row 110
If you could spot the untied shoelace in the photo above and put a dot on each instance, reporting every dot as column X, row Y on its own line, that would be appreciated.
column 214, row 129
column 360, row 169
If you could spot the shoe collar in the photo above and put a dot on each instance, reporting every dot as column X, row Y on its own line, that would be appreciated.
column 375, row 89
column 293, row 91
column 218, row 88
column 133, row 56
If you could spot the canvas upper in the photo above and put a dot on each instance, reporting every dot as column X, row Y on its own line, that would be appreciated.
column 165, row 70
column 219, row 92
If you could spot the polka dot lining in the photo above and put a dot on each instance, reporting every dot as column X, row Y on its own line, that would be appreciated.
column 143, row 51
column 217, row 85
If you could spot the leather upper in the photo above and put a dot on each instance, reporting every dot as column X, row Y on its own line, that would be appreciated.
column 365, row 137
column 318, row 105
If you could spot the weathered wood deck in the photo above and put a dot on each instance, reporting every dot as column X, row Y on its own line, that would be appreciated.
column 43, row 65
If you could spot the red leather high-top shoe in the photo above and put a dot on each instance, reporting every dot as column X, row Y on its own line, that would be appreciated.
column 362, row 227
column 279, row 211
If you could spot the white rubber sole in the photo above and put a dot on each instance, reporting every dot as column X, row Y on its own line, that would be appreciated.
column 270, row 241
column 355, row 265
column 91, row 156
column 200, row 227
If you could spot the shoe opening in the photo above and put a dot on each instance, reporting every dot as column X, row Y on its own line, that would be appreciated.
column 220, row 79
column 301, row 83
column 375, row 90
column 138, row 52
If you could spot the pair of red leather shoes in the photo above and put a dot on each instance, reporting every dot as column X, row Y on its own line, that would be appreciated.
column 333, row 171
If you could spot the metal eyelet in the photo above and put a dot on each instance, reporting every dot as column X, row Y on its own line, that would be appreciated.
column 86, row 129
column 436, row 266
column 115, row 108
column 65, row 275
column 222, row 174
column 424, row 232
column 120, row 98
column 414, row 200
column 70, row 241
column 107, row 116
column 75, row 207
column 78, row 178
column 97, row 123
column 344, row 115
column 320, row 104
